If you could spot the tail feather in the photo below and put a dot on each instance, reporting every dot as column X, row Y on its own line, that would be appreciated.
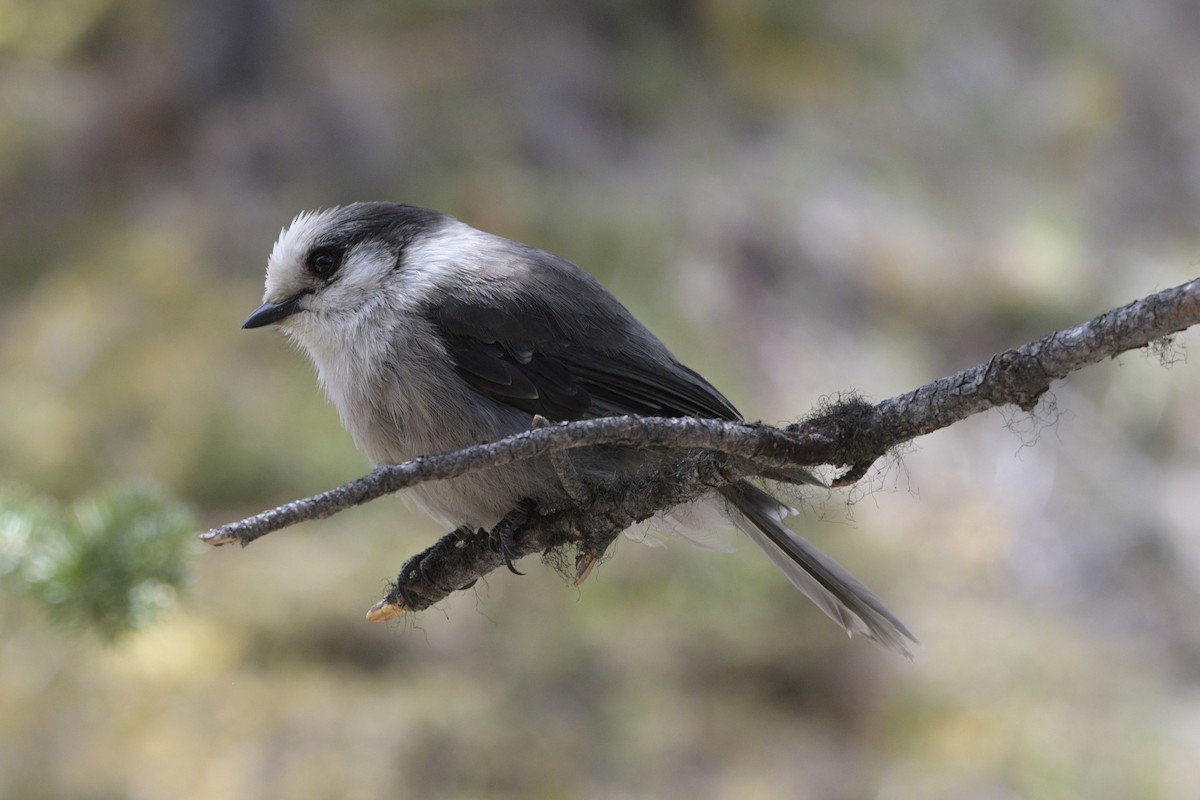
column 834, row 590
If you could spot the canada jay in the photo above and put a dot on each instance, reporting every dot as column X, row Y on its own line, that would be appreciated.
column 429, row 336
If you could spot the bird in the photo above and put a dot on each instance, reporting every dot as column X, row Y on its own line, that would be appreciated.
column 428, row 335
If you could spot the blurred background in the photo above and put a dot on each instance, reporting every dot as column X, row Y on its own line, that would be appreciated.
column 801, row 198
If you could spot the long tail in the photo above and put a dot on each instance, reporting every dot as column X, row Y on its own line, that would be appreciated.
column 834, row 590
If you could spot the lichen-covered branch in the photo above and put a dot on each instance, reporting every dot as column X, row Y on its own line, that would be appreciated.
column 851, row 434
column 1017, row 377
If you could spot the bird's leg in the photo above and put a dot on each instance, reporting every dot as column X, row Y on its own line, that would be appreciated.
column 579, row 493
column 572, row 482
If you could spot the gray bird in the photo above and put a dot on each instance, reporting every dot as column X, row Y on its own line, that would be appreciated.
column 429, row 336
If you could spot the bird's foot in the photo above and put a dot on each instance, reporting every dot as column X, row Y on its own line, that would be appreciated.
column 503, row 535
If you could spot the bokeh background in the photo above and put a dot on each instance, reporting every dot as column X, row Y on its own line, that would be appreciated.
column 801, row 198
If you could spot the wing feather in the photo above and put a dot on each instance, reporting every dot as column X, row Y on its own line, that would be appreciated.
column 565, row 363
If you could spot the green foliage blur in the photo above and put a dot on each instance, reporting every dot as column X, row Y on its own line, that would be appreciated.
column 801, row 198
column 111, row 563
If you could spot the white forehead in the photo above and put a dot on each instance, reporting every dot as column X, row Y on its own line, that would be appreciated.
column 295, row 241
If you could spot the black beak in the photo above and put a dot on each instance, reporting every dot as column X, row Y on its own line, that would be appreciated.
column 273, row 312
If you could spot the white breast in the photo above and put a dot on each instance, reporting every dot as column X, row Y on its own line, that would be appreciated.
column 400, row 397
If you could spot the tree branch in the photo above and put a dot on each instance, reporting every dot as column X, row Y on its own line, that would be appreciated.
column 851, row 433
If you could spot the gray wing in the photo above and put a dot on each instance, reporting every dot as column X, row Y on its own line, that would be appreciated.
column 556, row 343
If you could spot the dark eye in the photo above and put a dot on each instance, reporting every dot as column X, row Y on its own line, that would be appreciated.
column 324, row 262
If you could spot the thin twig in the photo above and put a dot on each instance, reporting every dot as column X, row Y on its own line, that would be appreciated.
column 757, row 442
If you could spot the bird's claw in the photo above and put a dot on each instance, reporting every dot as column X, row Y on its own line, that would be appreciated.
column 503, row 534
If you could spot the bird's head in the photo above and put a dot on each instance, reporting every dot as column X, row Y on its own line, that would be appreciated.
column 328, row 265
